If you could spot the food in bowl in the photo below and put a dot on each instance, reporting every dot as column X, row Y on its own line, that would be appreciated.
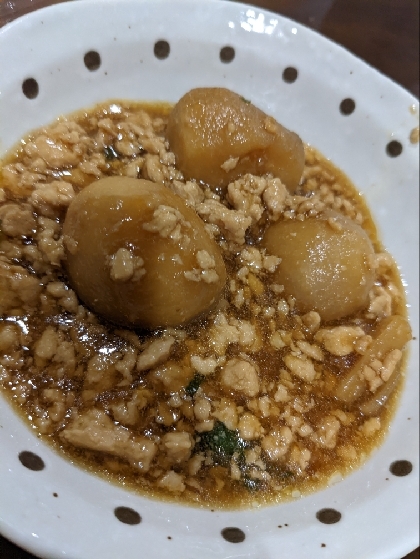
column 186, row 315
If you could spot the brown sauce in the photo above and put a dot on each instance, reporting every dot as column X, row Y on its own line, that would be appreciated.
column 230, row 446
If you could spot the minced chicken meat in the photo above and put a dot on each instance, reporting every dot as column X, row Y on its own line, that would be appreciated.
column 247, row 404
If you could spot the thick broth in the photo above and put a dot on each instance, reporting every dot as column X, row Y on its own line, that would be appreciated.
column 236, row 409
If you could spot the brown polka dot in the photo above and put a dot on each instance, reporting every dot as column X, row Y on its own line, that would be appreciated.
column 31, row 461
column 30, row 88
column 401, row 468
column 55, row 494
column 290, row 74
column 227, row 54
column 328, row 516
column 127, row 515
column 347, row 106
column 92, row 60
column 233, row 535
column 323, row 545
column 161, row 49
column 394, row 148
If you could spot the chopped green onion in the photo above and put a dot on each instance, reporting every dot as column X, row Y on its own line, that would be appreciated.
column 223, row 442
column 194, row 384
column 110, row 153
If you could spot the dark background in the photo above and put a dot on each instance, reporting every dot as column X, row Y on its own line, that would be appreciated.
column 384, row 33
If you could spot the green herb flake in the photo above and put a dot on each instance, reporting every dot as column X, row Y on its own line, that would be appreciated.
column 286, row 475
column 194, row 384
column 110, row 153
column 253, row 484
column 247, row 101
column 222, row 442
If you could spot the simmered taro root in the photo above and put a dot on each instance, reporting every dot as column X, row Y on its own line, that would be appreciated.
column 139, row 256
column 217, row 136
column 382, row 356
column 324, row 263
column 257, row 401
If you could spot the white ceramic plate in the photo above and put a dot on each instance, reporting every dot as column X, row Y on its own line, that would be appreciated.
column 61, row 511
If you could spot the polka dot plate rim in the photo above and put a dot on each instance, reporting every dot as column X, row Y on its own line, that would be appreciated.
column 73, row 55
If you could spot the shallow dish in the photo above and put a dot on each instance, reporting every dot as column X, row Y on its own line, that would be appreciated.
column 157, row 50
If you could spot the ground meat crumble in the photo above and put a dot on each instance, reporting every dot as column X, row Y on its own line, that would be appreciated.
column 231, row 410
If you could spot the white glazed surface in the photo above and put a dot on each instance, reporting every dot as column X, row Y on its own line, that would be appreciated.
column 380, row 515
